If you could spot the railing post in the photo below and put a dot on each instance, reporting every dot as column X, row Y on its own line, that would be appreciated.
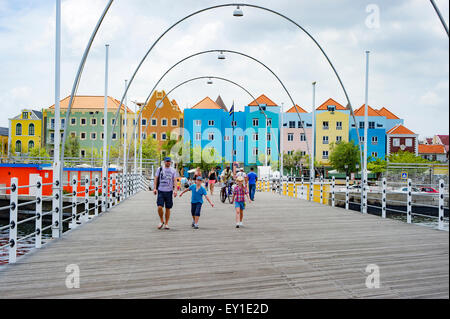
column 321, row 189
column 409, row 203
column 347, row 194
column 333, row 184
column 302, row 185
column 115, row 189
column 110, row 192
column 56, row 207
column 104, row 193
column 86, row 199
column 74, row 203
column 364, row 195
column 441, row 204
column 13, row 220
column 383, row 197
column 38, row 228
column 311, row 189
column 96, row 196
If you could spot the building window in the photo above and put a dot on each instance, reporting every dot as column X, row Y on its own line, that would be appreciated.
column 302, row 137
column 302, row 153
column 30, row 145
column 73, row 134
column 210, row 123
column 374, row 154
column 113, row 121
column 396, row 142
column 114, row 136
column 361, row 125
column 154, row 136
column 144, row 136
column 269, row 151
column 338, row 139
column 269, row 122
column 83, row 153
column 144, row 122
column 331, row 108
column 52, row 138
column 325, row 140
column 210, row 136
column 83, row 121
column 174, row 122
column 25, row 115
column 94, row 121
column 371, row 125
column 31, row 130
column 154, row 122
column 269, row 136
column 325, row 155
column 198, row 136
column 233, row 123
column 339, row 126
column 163, row 136
column 83, row 136
column 164, row 122
column 291, row 124
column 52, row 124
column 408, row 142
column 290, row 152
column 19, row 129
column 374, row 140
column 325, row 125
column 255, row 136
column 18, row 146
column 361, row 139
column 255, row 151
column 226, row 138
column 198, row 123
column 241, row 138
column 301, row 124
column 290, row 137
column 63, row 123
column 73, row 121
column 93, row 136
column 255, row 122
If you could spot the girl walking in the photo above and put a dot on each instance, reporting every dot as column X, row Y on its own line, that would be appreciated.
column 239, row 193
column 198, row 191
column 212, row 180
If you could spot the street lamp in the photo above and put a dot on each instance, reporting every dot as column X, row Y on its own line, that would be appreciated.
column 221, row 56
column 238, row 12
column 209, row 81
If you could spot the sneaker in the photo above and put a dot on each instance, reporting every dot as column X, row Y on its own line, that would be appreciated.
column 160, row 226
column 237, row 225
column 166, row 227
column 240, row 224
column 195, row 226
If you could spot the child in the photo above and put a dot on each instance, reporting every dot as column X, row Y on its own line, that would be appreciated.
column 239, row 193
column 198, row 191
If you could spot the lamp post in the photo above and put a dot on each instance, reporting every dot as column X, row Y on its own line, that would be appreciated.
column 105, row 134
column 366, row 124
column 312, row 174
column 281, row 139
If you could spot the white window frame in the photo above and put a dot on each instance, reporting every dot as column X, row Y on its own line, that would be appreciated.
column 95, row 138
column 374, row 154
column 211, row 136
column 197, row 122
column 198, row 136
column 93, row 119
column 269, row 122
column 325, row 140
column 241, row 138
column 255, row 137
column 290, row 137
column 154, row 136
column 374, row 140
column 85, row 120
column 325, row 154
column 339, row 125
column 226, row 138
column 396, row 142
column 81, row 153
column 114, row 136
column 211, row 122
column 302, row 137
column 72, row 119
column 81, row 136
column 408, row 142
column 162, row 122
column 174, row 121
column 325, row 127
column 338, row 139
column 255, row 122
column 154, row 122
column 143, row 122
column 163, row 137
column 255, row 151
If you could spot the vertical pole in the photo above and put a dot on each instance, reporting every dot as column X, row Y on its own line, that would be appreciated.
column 125, row 138
column 281, row 140
column 265, row 139
column 73, row 224
column 347, row 195
column 13, row 220
column 135, row 143
column 96, row 196
column 86, row 199
column 38, row 238
column 110, row 191
column 313, row 144
column 409, row 202
column 321, row 189
column 115, row 188
column 383, row 198
column 441, row 204
column 105, row 133
column 56, row 188
column 366, row 124
column 140, row 147
column 333, row 189
column 303, row 181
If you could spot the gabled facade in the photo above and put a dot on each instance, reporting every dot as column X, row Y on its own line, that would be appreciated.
column 433, row 153
column 167, row 117
column 332, row 126
column 86, row 122
column 297, row 132
column 4, row 138
column 376, row 132
column 400, row 138
column 25, row 132
column 391, row 119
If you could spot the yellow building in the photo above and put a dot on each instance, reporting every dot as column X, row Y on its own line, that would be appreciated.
column 25, row 132
column 332, row 126
column 4, row 136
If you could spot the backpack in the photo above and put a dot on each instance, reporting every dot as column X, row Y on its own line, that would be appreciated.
column 159, row 177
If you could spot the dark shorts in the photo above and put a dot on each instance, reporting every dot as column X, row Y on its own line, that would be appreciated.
column 165, row 199
column 195, row 209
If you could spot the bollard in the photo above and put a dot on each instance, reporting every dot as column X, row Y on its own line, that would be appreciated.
column 347, row 195
column 364, row 187
column 104, row 194
column 38, row 226
column 383, row 198
column 321, row 189
column 441, row 204
column 96, row 196
column 301, row 187
column 333, row 184
column 13, row 221
column 73, row 224
column 110, row 191
column 85, row 215
column 311, row 189
column 409, row 203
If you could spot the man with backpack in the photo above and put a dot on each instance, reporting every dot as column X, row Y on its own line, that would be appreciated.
column 165, row 181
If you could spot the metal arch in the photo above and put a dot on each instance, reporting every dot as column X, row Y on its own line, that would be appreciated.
column 210, row 51
column 438, row 12
column 349, row 106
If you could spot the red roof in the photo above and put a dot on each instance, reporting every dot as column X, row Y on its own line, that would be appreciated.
column 263, row 100
column 400, row 130
column 388, row 114
column 361, row 111
column 431, row 149
column 331, row 102
column 293, row 110
column 444, row 139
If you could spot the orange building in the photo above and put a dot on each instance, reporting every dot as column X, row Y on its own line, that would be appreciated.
column 168, row 117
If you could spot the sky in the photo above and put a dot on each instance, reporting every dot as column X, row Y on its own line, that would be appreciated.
column 408, row 71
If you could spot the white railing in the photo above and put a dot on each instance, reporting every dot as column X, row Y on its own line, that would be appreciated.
column 84, row 202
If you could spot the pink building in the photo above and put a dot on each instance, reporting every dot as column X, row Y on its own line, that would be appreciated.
column 297, row 132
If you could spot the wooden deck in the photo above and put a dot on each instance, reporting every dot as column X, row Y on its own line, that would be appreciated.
column 288, row 248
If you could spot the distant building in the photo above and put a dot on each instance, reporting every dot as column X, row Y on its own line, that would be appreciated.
column 4, row 137
column 391, row 119
column 297, row 131
column 433, row 153
column 25, row 132
column 442, row 140
column 400, row 138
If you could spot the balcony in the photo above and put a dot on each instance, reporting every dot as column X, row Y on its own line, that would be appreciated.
column 325, row 127
column 339, row 128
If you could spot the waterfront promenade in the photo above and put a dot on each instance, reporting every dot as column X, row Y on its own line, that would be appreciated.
column 288, row 248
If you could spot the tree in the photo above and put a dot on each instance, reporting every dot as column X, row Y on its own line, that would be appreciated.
column 345, row 156
column 150, row 148
column 72, row 148
column 376, row 166
column 406, row 157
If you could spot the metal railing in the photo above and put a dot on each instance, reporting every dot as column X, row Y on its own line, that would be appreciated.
column 84, row 202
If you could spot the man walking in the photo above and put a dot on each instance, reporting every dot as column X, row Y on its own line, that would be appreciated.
column 252, row 179
column 165, row 181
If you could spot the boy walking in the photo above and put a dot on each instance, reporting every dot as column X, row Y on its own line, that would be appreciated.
column 239, row 193
column 198, row 191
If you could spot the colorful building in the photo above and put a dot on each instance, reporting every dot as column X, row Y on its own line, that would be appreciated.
column 25, row 132
column 297, row 134
column 332, row 127
column 400, row 138
column 433, row 153
column 86, row 122
column 4, row 138
column 391, row 119
column 376, row 132
column 167, row 118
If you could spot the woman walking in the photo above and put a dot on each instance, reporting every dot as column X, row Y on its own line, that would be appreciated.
column 212, row 180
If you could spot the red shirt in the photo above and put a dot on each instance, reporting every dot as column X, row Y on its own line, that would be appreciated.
column 240, row 194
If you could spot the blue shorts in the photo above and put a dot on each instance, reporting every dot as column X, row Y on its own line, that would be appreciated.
column 195, row 209
column 165, row 199
column 240, row 205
